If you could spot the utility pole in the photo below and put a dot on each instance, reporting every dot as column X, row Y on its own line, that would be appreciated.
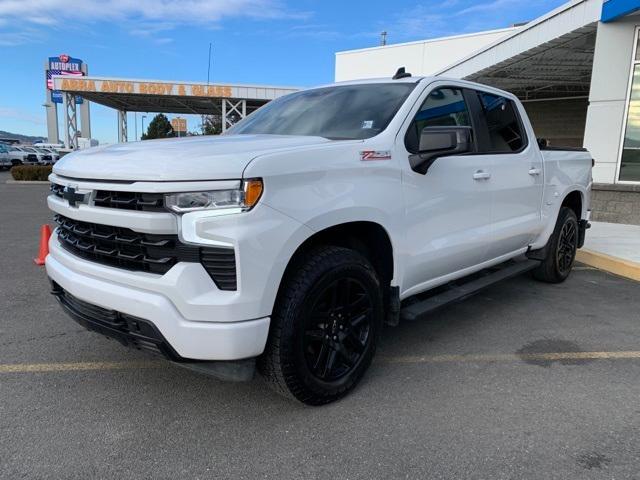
column 208, row 77
column 209, row 65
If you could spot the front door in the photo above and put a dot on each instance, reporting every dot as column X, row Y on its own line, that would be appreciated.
column 448, row 209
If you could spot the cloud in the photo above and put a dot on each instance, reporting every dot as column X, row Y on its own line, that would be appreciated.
column 21, row 115
column 11, row 38
column 452, row 17
column 137, row 15
column 186, row 11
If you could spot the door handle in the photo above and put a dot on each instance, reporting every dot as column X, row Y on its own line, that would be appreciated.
column 534, row 171
column 481, row 175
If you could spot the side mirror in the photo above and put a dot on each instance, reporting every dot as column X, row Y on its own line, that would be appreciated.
column 437, row 142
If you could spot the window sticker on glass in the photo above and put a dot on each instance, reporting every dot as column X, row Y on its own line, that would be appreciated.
column 367, row 124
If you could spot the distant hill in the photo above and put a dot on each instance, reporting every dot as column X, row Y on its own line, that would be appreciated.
column 22, row 138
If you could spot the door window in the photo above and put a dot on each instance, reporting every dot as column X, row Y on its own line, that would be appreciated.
column 444, row 107
column 506, row 134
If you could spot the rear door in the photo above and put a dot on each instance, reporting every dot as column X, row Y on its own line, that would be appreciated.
column 517, row 176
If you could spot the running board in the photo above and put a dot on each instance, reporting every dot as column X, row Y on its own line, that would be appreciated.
column 459, row 292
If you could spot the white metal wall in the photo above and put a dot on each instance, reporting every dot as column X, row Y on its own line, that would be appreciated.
column 420, row 58
column 608, row 96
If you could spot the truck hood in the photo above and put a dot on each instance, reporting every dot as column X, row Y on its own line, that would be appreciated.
column 191, row 158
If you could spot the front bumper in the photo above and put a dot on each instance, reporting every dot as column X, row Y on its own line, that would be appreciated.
column 127, row 329
column 195, row 317
column 175, row 336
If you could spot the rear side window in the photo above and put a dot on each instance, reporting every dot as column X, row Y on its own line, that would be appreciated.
column 506, row 134
column 444, row 107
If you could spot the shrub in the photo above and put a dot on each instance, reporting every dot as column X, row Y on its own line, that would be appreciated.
column 31, row 172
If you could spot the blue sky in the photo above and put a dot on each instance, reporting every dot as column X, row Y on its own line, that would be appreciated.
column 254, row 41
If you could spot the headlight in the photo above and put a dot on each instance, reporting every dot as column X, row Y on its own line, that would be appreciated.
column 243, row 198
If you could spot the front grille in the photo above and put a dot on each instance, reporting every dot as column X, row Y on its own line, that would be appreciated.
column 148, row 202
column 127, row 329
column 124, row 248
column 145, row 202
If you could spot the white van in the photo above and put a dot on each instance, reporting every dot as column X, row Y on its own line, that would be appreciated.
column 49, row 146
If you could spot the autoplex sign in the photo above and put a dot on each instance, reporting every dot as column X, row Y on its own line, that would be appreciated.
column 66, row 66
column 141, row 88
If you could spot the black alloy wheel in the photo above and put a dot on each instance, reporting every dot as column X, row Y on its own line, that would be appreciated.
column 561, row 249
column 338, row 329
column 325, row 326
column 567, row 247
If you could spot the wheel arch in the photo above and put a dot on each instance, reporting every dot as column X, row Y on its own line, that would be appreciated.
column 368, row 238
column 574, row 200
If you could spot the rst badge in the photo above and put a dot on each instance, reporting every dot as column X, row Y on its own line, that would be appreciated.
column 367, row 155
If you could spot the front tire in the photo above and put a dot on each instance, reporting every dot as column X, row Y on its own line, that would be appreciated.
column 558, row 263
column 325, row 326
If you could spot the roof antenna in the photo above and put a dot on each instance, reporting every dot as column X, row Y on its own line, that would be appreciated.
column 401, row 73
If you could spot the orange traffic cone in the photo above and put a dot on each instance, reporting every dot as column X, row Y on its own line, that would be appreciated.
column 45, row 233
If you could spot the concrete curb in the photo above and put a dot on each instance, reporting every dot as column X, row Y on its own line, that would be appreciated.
column 615, row 265
column 27, row 182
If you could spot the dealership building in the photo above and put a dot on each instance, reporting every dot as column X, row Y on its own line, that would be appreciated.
column 577, row 71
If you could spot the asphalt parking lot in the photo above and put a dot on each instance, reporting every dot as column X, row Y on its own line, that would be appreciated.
column 524, row 380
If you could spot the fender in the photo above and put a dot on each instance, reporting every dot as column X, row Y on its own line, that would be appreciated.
column 551, row 215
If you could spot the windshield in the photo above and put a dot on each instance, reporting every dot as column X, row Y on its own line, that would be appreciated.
column 345, row 112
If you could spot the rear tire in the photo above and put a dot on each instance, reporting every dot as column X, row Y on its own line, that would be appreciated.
column 325, row 326
column 563, row 244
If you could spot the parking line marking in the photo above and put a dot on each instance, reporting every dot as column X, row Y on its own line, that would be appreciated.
column 511, row 357
column 76, row 366
column 504, row 357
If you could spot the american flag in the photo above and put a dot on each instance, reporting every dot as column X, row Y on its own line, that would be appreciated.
column 50, row 73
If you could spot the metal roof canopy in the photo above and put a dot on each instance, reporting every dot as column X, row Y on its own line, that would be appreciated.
column 232, row 102
column 551, row 57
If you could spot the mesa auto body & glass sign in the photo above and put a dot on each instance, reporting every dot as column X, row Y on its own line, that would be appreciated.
column 69, row 84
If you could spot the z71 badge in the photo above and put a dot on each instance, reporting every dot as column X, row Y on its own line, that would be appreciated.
column 375, row 155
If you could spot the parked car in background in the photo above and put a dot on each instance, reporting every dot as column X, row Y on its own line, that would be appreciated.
column 44, row 156
column 17, row 155
column 28, row 156
column 48, row 156
column 35, row 156
column 5, row 159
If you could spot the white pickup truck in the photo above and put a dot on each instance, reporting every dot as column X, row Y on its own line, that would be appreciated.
column 286, row 243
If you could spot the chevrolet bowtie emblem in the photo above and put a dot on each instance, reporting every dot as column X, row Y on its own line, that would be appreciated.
column 71, row 196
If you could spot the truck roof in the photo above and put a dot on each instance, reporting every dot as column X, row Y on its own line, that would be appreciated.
column 419, row 79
